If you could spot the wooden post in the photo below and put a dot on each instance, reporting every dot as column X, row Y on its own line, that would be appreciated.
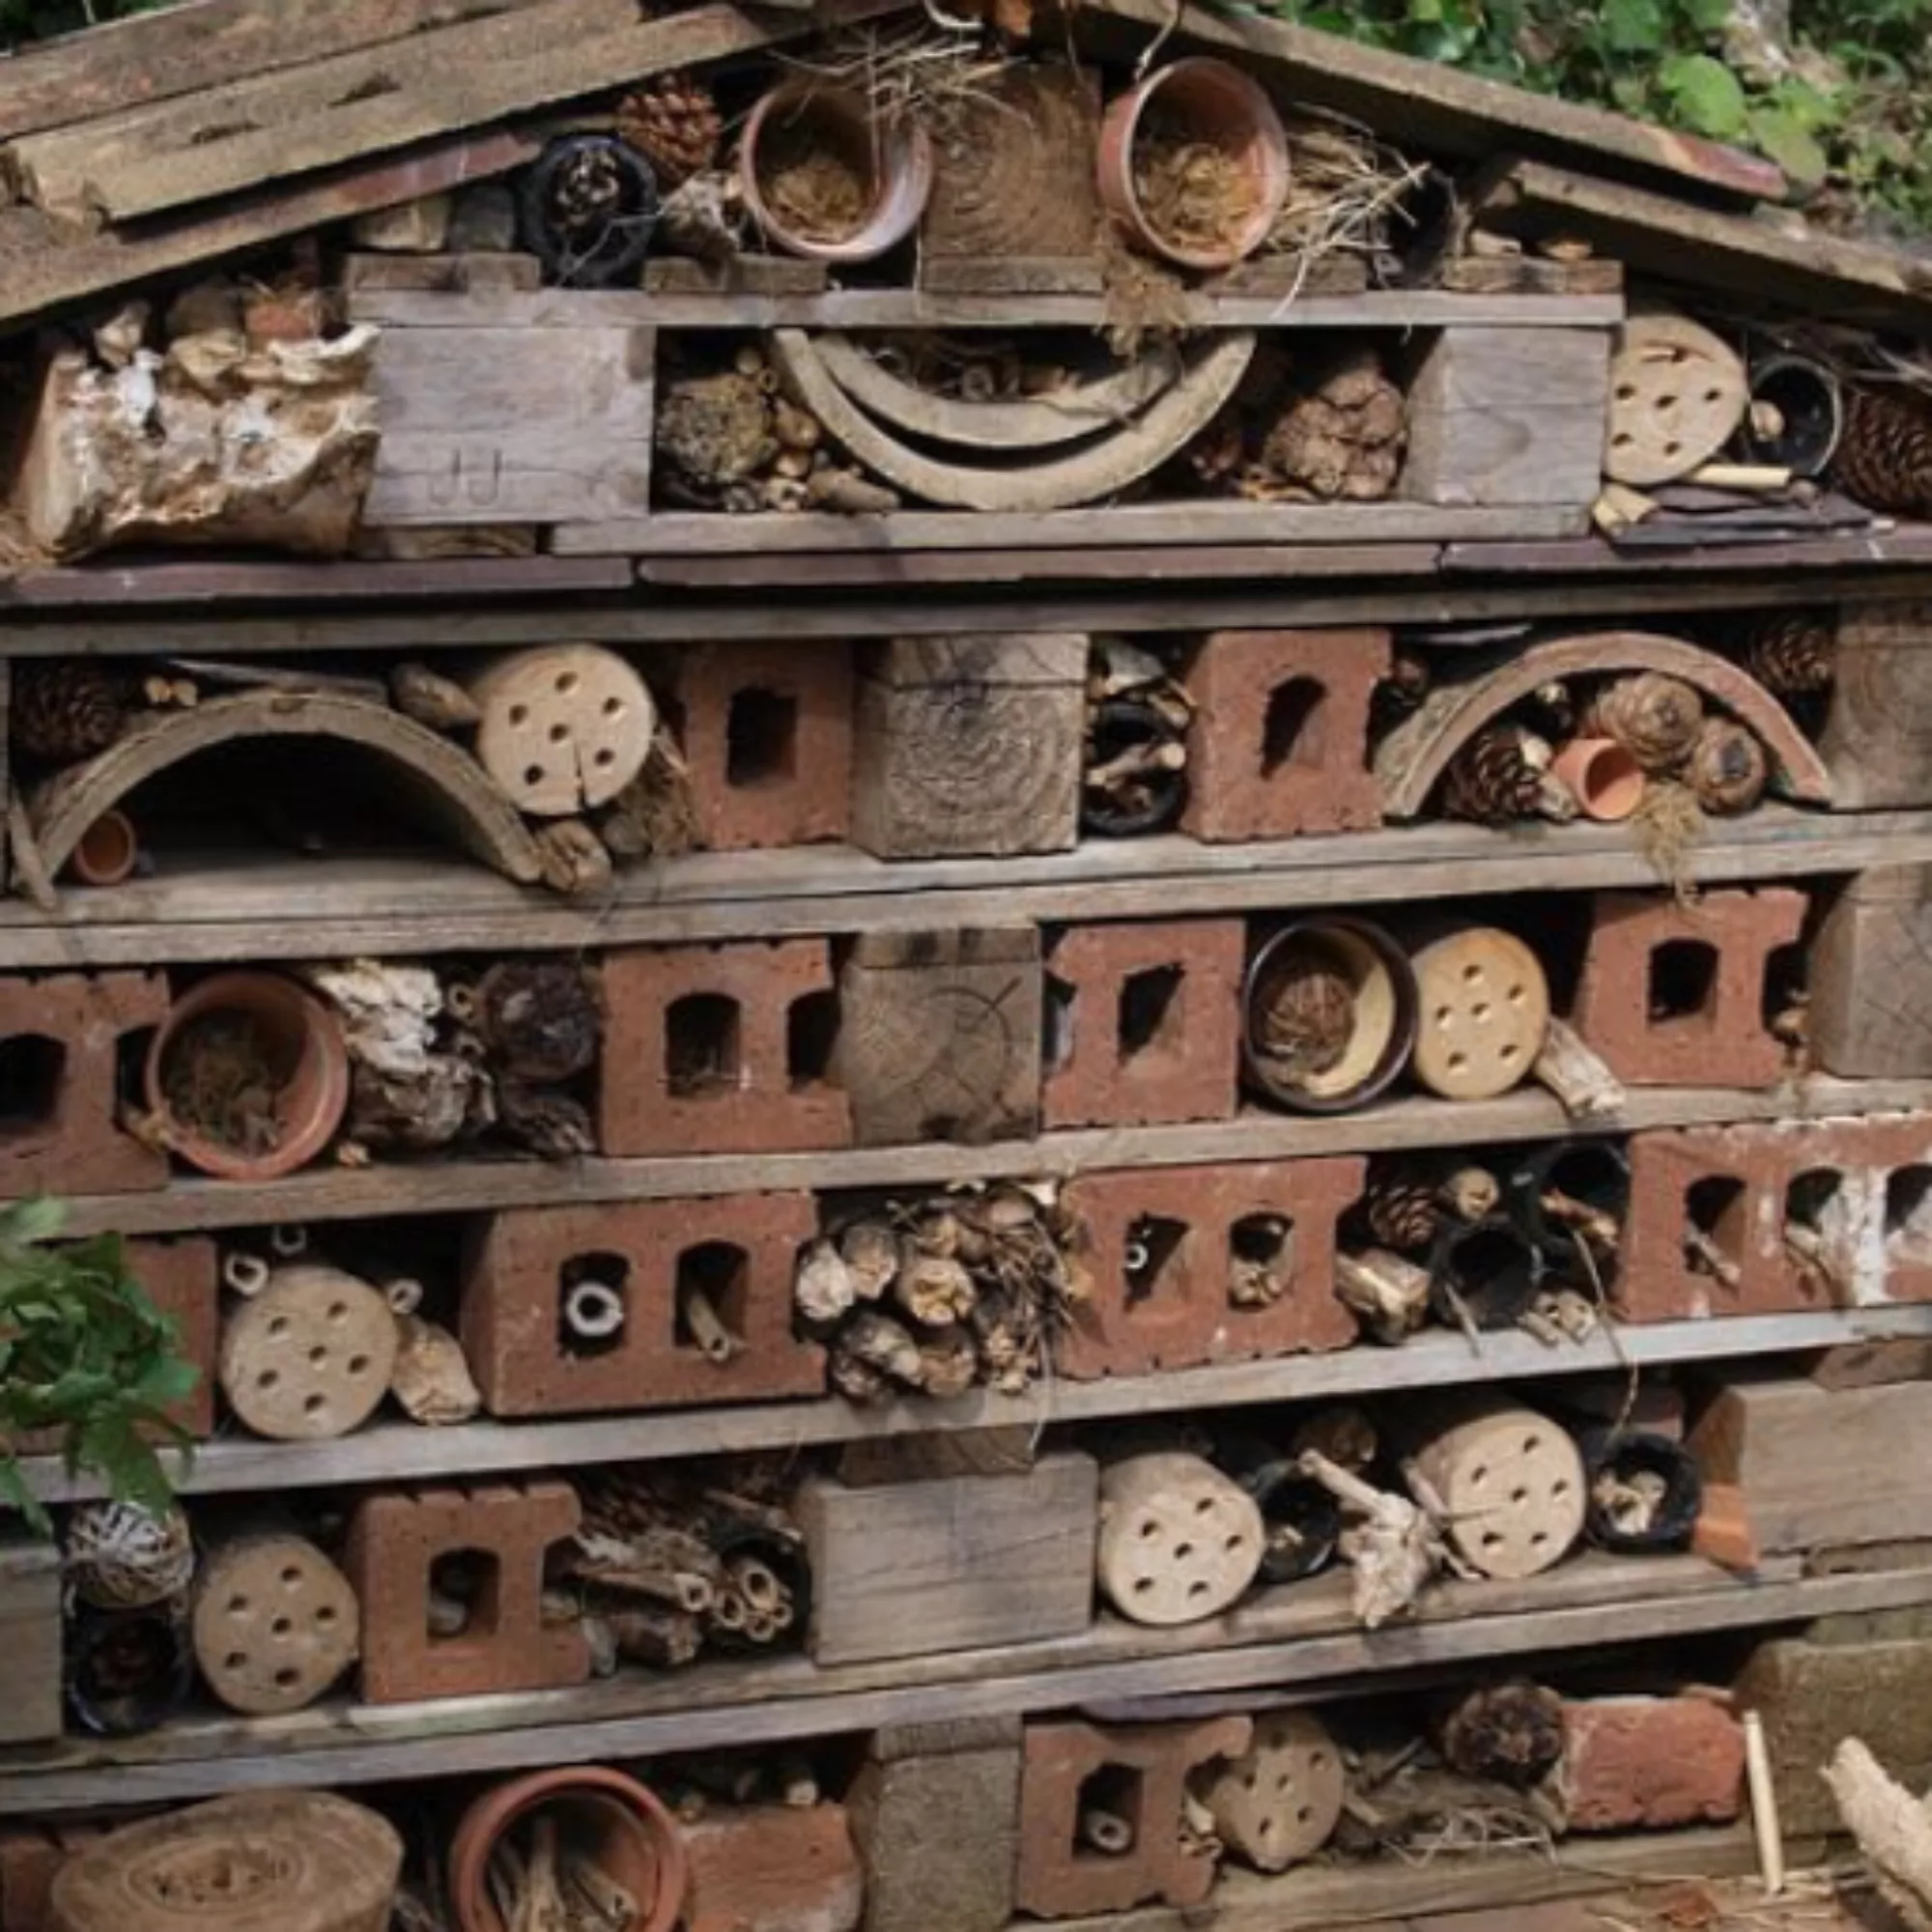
column 1878, row 737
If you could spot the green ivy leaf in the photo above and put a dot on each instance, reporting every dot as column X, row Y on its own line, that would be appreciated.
column 1710, row 16
column 1791, row 145
column 1707, row 95
column 1634, row 26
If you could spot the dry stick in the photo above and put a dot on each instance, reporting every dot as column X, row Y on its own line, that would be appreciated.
column 716, row 1343
column 1701, row 1247
column 1592, row 1223
column 28, row 864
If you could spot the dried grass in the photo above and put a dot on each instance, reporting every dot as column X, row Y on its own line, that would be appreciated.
column 1346, row 190
column 922, row 72
column 1667, row 826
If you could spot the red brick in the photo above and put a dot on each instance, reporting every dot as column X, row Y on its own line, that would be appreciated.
column 1651, row 1763
column 790, row 789
column 1724, row 1042
column 513, row 1291
column 1241, row 786
column 29, row 1859
column 1059, row 1878
column 1188, row 1068
column 394, row 1542
column 750, row 1105
column 773, row 1868
column 1185, row 1316
column 76, row 1144
column 1878, row 1229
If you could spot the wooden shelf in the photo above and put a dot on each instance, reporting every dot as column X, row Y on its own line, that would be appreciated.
column 400, row 1452
column 257, row 908
column 1298, row 1636
column 475, row 1186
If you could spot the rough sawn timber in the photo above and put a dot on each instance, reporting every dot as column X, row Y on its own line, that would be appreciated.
column 1416, row 753
column 448, row 782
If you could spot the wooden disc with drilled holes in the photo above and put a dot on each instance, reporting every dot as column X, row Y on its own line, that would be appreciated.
column 309, row 1357
column 275, row 1624
column 1678, row 394
column 1279, row 1801
column 260, row 1862
column 1178, row 1540
column 1484, row 1008
column 565, row 727
column 1511, row 1481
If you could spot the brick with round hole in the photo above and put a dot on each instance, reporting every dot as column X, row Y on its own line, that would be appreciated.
column 1509, row 1481
column 1178, row 1542
column 1280, row 741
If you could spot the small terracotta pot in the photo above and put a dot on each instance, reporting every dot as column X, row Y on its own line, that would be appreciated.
column 306, row 1040
column 1606, row 781
column 109, row 850
column 620, row 1824
column 897, row 155
column 1231, row 111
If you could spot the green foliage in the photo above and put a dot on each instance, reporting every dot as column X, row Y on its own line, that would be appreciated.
column 1851, row 119
column 85, row 1353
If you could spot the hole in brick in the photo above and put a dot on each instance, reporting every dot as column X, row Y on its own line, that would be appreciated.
column 702, row 1048
column 1111, row 1797
column 760, row 739
column 593, row 1304
column 1908, row 1216
column 1056, row 1017
column 1261, row 1260
column 1683, row 980
column 464, row 1588
column 32, row 1069
column 812, row 1032
column 1151, row 1013
column 1292, row 733
column 1815, row 1208
column 1152, row 1257
column 713, row 1280
column 1714, row 1227
column 1782, row 1003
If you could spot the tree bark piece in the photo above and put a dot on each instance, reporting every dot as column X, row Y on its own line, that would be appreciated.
column 1578, row 1075
column 1892, row 1827
column 431, row 1381
column 1178, row 1542
column 275, row 1624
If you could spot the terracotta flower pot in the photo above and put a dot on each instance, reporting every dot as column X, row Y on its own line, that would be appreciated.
column 613, row 1818
column 301, row 1041
column 893, row 160
column 108, row 851
column 1606, row 782
column 1220, row 107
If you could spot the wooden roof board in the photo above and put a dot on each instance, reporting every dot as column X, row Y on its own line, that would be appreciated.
column 206, row 43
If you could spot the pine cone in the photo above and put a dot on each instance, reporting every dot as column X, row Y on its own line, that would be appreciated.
column 1656, row 719
column 1792, row 653
column 1401, row 1207
column 1728, row 771
column 673, row 122
column 1885, row 456
column 67, row 710
column 1344, row 439
column 1492, row 782
column 1217, row 454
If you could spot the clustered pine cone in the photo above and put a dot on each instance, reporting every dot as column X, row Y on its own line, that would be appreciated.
column 1792, row 653
column 68, row 710
column 1656, row 719
column 1343, row 440
column 1402, row 1207
column 1885, row 456
column 673, row 122
column 1491, row 781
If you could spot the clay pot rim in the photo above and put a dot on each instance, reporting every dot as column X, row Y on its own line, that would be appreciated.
column 87, row 863
column 1407, row 1021
column 903, row 164
column 1265, row 146
column 1607, row 795
column 320, row 1077
column 502, row 1807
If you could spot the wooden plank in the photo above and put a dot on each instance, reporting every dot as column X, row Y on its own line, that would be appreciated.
column 489, row 425
column 1436, row 107
column 44, row 266
column 295, row 909
column 213, row 43
column 950, row 1564
column 1530, row 275
column 748, row 1705
column 1877, row 731
column 1855, row 283
column 440, row 92
column 30, row 1641
column 1869, row 975
column 401, row 1453
column 1129, row 526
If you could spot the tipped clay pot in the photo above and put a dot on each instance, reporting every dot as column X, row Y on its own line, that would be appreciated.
column 1606, row 781
column 109, row 850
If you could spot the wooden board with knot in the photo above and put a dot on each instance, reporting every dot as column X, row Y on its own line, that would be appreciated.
column 940, row 1036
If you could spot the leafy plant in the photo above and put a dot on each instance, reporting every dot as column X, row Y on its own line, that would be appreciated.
column 85, row 1354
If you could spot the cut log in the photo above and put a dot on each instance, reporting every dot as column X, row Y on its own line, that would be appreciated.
column 275, row 1624
column 1678, row 394
column 310, row 1357
column 1512, row 1483
column 1178, row 1540
column 1485, row 1012
column 564, row 727
column 1277, row 1804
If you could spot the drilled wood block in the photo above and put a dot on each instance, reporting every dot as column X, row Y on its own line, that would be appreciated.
column 939, row 1036
column 30, row 1641
column 964, row 1563
column 971, row 745
column 491, row 419
column 1508, row 416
